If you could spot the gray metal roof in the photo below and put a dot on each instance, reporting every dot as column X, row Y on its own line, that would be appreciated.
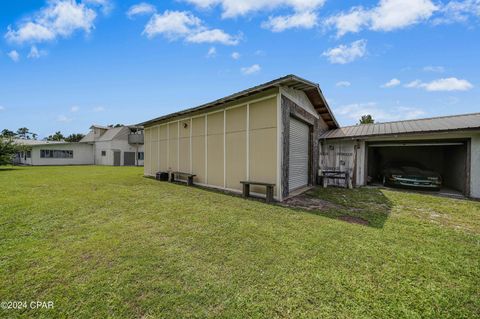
column 312, row 90
column 426, row 125
column 30, row 142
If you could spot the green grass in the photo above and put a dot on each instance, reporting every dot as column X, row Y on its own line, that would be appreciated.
column 106, row 242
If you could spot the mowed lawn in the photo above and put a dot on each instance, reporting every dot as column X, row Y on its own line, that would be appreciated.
column 106, row 242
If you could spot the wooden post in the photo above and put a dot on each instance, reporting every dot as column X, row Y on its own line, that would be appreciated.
column 269, row 197
column 172, row 177
column 246, row 190
column 190, row 180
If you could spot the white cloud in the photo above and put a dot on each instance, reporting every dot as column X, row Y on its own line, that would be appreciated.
column 392, row 83
column 431, row 68
column 212, row 52
column 14, row 55
column 63, row 119
column 98, row 109
column 347, row 53
column 251, row 69
column 413, row 84
column 235, row 55
column 388, row 15
column 105, row 5
column 142, row 8
column 35, row 53
column 234, row 8
column 299, row 20
column 74, row 109
column 380, row 114
column 212, row 36
column 181, row 24
column 444, row 84
column 59, row 19
column 458, row 11
column 343, row 84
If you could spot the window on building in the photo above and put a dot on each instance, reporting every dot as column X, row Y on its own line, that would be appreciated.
column 29, row 154
column 56, row 154
column 141, row 156
column 104, row 153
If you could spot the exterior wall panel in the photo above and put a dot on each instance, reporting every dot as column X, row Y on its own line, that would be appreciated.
column 215, row 149
column 173, row 146
column 214, row 144
column 235, row 146
column 198, row 149
column 148, row 147
column 163, row 148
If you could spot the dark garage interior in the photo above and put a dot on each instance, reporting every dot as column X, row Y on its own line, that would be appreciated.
column 449, row 158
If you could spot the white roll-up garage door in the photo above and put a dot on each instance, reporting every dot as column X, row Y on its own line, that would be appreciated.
column 298, row 154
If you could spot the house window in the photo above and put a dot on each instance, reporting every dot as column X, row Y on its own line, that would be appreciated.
column 141, row 156
column 56, row 154
column 29, row 154
column 104, row 153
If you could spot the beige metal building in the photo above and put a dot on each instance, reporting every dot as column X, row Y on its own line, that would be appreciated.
column 268, row 133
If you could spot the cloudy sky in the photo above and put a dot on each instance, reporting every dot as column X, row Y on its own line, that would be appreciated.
column 65, row 64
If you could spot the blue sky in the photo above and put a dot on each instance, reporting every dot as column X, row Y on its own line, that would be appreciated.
column 67, row 64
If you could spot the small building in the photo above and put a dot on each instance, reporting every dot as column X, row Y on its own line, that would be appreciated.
column 116, row 146
column 53, row 153
column 268, row 133
column 449, row 145
column 103, row 145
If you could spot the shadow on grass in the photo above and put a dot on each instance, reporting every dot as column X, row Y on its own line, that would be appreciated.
column 365, row 206
column 8, row 168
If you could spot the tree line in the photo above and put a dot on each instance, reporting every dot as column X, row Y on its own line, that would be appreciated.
column 25, row 134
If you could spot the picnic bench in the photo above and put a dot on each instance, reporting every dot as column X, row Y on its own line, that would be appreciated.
column 335, row 174
column 269, row 187
column 188, row 175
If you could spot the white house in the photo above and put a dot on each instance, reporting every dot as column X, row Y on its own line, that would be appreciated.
column 119, row 146
column 54, row 153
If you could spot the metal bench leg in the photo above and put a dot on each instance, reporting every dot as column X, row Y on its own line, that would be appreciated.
column 324, row 182
column 246, row 190
column 190, row 181
column 269, row 198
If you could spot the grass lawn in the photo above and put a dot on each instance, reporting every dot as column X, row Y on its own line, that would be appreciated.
column 106, row 242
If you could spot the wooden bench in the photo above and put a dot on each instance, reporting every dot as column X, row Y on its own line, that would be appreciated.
column 188, row 175
column 269, row 187
column 333, row 174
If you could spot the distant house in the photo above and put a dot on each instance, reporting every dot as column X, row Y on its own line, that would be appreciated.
column 119, row 146
column 53, row 153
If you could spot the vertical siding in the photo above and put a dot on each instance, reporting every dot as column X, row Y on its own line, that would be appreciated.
column 148, row 153
column 154, row 164
column 162, row 147
column 222, row 147
column 173, row 146
column 184, row 146
column 236, row 152
column 215, row 149
column 263, row 142
column 198, row 149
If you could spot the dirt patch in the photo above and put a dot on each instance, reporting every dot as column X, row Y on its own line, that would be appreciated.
column 308, row 203
column 353, row 220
